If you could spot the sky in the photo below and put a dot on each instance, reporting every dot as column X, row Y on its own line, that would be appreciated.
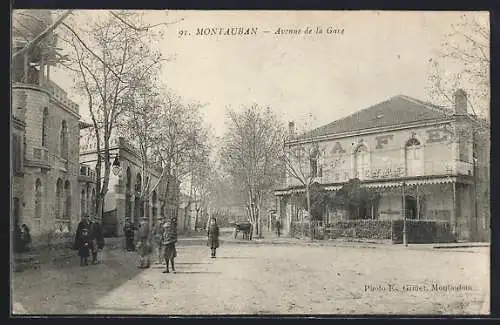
column 311, row 79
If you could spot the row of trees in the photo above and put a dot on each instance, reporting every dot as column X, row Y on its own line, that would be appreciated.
column 116, row 67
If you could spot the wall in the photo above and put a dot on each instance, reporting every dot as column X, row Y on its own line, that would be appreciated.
column 35, row 100
column 386, row 154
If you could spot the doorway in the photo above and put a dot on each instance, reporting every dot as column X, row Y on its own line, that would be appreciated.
column 411, row 207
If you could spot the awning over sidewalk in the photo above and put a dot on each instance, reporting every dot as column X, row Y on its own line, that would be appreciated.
column 386, row 184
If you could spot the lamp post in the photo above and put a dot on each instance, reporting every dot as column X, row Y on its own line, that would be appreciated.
column 116, row 167
column 405, row 234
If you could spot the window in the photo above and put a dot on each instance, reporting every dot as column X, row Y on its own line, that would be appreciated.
column 59, row 198
column 463, row 147
column 413, row 157
column 17, row 153
column 361, row 161
column 45, row 120
column 38, row 199
column 63, row 140
column 67, row 200
column 16, row 210
column 313, row 161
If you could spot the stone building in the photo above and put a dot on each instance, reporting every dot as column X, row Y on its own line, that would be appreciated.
column 401, row 142
column 45, row 135
column 123, row 199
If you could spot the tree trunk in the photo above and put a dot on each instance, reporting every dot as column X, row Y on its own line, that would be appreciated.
column 308, row 196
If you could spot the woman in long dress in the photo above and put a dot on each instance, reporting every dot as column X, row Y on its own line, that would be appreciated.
column 213, row 236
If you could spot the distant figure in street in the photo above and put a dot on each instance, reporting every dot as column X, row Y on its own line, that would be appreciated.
column 158, row 239
column 144, row 245
column 25, row 237
column 169, row 240
column 97, row 238
column 84, row 246
column 128, row 230
column 278, row 227
column 83, row 224
column 213, row 236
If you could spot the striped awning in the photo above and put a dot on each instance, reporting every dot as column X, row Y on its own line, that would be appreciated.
column 376, row 185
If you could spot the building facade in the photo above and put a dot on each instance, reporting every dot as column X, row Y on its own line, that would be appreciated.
column 123, row 199
column 45, row 139
column 407, row 153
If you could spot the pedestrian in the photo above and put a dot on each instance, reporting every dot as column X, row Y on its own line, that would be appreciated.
column 83, row 224
column 213, row 236
column 144, row 245
column 169, row 240
column 128, row 230
column 25, row 237
column 84, row 246
column 158, row 239
column 278, row 227
column 97, row 237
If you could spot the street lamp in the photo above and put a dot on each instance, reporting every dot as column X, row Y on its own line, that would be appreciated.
column 116, row 166
column 405, row 235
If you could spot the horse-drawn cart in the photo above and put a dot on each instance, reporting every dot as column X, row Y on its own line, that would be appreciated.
column 245, row 228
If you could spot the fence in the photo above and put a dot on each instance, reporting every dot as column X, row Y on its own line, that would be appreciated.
column 418, row 231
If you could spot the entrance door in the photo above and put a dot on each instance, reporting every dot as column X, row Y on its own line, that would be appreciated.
column 411, row 207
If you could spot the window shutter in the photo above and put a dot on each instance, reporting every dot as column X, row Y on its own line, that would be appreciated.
column 17, row 153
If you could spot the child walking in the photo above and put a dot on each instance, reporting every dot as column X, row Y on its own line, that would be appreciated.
column 84, row 247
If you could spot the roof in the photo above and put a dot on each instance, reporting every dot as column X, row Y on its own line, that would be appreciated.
column 84, row 125
column 394, row 111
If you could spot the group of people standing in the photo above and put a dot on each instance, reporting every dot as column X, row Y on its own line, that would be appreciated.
column 89, row 240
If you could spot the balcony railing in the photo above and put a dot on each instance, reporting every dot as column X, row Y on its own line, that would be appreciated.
column 391, row 171
column 39, row 158
column 86, row 174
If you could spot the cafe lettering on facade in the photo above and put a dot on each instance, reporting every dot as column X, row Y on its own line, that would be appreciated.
column 402, row 145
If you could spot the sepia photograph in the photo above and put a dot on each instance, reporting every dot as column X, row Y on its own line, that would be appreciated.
column 210, row 162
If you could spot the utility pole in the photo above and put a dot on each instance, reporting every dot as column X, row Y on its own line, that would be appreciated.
column 405, row 234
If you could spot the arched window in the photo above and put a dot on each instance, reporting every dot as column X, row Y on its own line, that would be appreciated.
column 67, row 200
column 361, row 161
column 38, row 199
column 59, row 198
column 413, row 157
column 63, row 140
column 45, row 122
column 313, row 161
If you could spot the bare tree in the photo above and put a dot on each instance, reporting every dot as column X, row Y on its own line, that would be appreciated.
column 109, row 80
column 301, row 158
column 463, row 61
column 180, row 138
column 140, row 125
column 250, row 153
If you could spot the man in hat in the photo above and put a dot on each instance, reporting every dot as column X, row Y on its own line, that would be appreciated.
column 158, row 238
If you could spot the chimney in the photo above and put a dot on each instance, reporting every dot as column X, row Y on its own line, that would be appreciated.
column 460, row 102
column 291, row 130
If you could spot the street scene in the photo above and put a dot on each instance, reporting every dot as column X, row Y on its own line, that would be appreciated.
column 250, row 163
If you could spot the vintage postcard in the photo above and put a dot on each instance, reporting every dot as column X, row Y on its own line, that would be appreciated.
column 250, row 162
